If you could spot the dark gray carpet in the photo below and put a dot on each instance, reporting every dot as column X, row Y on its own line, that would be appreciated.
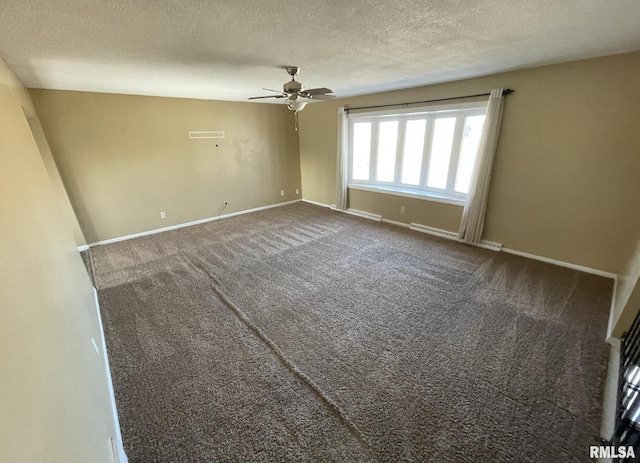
column 301, row 334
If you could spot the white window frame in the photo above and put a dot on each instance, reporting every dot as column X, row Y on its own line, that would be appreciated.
column 430, row 113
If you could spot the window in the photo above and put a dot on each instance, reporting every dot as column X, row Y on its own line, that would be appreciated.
column 429, row 153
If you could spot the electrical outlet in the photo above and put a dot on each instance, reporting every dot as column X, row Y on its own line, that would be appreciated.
column 163, row 215
column 297, row 191
column 402, row 210
column 281, row 192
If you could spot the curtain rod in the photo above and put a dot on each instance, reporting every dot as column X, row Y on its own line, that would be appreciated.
column 506, row 91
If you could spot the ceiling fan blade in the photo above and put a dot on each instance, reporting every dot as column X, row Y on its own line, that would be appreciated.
column 270, row 90
column 320, row 97
column 267, row 96
column 318, row 91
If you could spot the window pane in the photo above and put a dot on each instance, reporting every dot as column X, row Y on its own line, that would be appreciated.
column 468, row 151
column 361, row 150
column 412, row 156
column 387, row 143
column 441, row 152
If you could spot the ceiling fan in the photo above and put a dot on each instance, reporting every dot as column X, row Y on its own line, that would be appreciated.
column 295, row 93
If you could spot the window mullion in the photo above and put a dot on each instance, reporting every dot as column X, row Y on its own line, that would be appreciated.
column 373, row 163
column 455, row 152
column 350, row 141
column 400, row 151
column 426, row 152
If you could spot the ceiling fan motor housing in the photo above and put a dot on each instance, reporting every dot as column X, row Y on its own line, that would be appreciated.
column 293, row 87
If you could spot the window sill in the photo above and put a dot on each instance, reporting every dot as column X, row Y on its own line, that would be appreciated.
column 408, row 193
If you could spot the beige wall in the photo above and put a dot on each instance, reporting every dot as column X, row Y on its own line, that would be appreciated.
column 438, row 215
column 124, row 158
column 54, row 400
column 56, row 181
column 565, row 180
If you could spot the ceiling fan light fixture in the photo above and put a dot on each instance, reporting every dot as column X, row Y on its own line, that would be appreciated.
column 296, row 95
column 295, row 104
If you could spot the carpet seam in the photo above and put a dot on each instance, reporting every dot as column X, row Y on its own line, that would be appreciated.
column 245, row 320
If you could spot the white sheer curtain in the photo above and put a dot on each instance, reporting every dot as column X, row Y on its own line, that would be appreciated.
column 474, row 208
column 342, row 176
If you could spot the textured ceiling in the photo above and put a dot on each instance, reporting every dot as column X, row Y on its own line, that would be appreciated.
column 229, row 49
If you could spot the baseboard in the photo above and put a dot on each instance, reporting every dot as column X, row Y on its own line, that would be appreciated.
column 189, row 224
column 561, row 263
column 119, row 453
column 614, row 342
column 610, row 395
column 612, row 313
column 84, row 247
column 453, row 236
column 315, row 203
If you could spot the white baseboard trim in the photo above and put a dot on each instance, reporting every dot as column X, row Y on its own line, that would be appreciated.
column 614, row 342
column 315, row 203
column 612, row 313
column 562, row 263
column 453, row 236
column 189, row 224
column 84, row 247
column 117, row 439
column 399, row 224
column 610, row 396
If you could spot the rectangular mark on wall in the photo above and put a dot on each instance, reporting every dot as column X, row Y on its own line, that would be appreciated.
column 196, row 135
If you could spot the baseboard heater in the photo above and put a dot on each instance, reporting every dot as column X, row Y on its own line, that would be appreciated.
column 627, row 424
column 364, row 215
column 453, row 236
